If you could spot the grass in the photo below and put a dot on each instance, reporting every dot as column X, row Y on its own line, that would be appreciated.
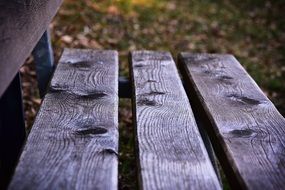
column 252, row 30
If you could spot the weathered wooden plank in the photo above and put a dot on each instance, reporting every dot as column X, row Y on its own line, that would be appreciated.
column 171, row 154
column 22, row 23
column 246, row 129
column 74, row 141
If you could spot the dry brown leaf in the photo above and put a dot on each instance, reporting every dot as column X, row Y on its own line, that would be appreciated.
column 66, row 39
column 37, row 101
column 83, row 40
column 94, row 44
column 113, row 10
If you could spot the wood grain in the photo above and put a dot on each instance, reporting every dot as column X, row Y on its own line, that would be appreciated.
column 22, row 23
column 246, row 129
column 170, row 151
column 74, row 141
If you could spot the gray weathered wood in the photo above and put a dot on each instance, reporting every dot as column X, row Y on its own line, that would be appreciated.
column 171, row 154
column 74, row 141
column 246, row 129
column 22, row 23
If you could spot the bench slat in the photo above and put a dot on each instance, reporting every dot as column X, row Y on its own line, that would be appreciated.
column 22, row 23
column 171, row 154
column 74, row 141
column 246, row 129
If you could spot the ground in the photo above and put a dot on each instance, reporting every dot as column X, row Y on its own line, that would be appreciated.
column 252, row 30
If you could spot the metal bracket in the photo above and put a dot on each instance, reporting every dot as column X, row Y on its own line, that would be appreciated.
column 43, row 56
column 125, row 88
column 12, row 130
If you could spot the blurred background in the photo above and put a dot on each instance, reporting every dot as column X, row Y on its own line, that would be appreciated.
column 252, row 30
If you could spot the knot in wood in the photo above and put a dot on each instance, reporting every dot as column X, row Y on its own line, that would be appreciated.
column 87, row 130
column 147, row 102
column 244, row 99
column 239, row 133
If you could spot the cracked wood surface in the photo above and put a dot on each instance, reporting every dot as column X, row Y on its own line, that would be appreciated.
column 170, row 151
column 74, row 141
column 246, row 129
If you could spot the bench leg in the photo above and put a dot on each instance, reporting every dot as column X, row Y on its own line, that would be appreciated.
column 43, row 56
column 12, row 130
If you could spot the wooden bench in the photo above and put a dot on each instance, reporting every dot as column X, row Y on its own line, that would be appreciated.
column 74, row 141
column 218, row 113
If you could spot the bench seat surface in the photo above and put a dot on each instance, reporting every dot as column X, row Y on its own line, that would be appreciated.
column 246, row 129
column 74, row 141
column 170, row 151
